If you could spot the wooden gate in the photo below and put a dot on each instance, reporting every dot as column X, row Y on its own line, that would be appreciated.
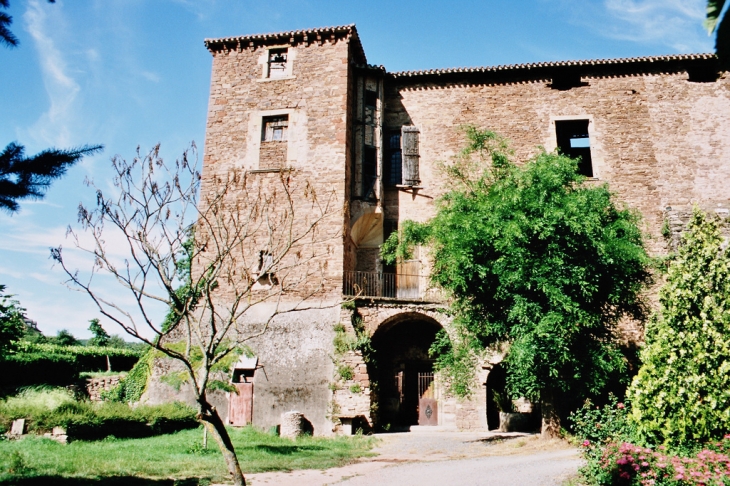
column 240, row 405
column 427, row 404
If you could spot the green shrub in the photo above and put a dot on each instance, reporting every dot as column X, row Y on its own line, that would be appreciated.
column 48, row 408
column 681, row 395
column 52, row 364
column 345, row 371
column 597, row 427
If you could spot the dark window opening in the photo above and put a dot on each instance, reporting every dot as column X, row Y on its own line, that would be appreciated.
column 369, row 172
column 277, row 62
column 574, row 141
column 393, row 166
column 266, row 277
column 275, row 128
column 371, row 98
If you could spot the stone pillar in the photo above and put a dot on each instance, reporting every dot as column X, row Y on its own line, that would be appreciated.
column 292, row 424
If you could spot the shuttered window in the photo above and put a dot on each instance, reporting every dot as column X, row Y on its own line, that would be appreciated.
column 410, row 154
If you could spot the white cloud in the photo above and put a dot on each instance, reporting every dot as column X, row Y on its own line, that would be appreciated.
column 53, row 126
column 674, row 23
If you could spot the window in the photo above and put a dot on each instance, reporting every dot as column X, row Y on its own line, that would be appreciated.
column 574, row 141
column 273, row 150
column 275, row 128
column 266, row 277
column 277, row 62
column 369, row 171
column 410, row 148
column 393, row 163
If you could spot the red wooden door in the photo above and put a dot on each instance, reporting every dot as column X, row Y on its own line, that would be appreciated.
column 427, row 403
column 240, row 405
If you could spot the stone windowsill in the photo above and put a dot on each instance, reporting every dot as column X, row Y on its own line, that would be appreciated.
column 280, row 78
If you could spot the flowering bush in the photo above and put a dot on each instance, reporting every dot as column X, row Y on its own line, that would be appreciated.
column 629, row 464
column 597, row 427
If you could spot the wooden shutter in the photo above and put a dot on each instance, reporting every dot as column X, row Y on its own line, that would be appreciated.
column 409, row 142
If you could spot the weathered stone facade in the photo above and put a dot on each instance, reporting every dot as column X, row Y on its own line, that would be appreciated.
column 658, row 132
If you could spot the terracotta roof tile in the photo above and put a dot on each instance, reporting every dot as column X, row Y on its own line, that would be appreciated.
column 589, row 62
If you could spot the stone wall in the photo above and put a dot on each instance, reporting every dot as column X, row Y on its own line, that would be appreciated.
column 95, row 386
column 657, row 140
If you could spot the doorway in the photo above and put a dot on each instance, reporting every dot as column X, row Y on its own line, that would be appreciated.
column 406, row 393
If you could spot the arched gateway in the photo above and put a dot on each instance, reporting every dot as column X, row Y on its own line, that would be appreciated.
column 407, row 392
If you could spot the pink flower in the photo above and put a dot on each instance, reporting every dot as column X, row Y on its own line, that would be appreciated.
column 586, row 443
column 620, row 406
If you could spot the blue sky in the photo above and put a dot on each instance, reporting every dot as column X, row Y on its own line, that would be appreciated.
column 125, row 73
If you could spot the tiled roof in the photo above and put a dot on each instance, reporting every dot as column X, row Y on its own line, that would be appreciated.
column 555, row 64
column 350, row 29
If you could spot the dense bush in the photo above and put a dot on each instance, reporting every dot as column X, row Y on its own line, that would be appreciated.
column 596, row 428
column 629, row 464
column 52, row 364
column 681, row 395
column 44, row 409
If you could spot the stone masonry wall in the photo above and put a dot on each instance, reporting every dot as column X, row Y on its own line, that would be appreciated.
column 657, row 140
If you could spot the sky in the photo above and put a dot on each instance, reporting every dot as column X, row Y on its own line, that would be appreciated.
column 134, row 73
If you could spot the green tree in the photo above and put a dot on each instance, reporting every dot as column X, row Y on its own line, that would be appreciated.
column 535, row 258
column 719, row 24
column 682, row 391
column 100, row 336
column 65, row 338
column 12, row 324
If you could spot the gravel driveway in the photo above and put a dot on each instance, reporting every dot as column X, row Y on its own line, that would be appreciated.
column 435, row 457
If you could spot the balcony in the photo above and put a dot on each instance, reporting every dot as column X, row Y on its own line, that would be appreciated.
column 397, row 286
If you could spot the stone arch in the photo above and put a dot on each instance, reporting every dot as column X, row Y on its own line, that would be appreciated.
column 406, row 385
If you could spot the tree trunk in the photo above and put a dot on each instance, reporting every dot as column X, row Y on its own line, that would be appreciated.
column 550, row 418
column 214, row 425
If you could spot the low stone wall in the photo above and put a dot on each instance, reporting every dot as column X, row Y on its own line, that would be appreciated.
column 94, row 386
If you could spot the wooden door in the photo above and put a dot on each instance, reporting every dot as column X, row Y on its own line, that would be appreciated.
column 427, row 403
column 240, row 405
column 407, row 279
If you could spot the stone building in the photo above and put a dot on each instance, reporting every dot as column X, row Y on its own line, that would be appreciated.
column 656, row 129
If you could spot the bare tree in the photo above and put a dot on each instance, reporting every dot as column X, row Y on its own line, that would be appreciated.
column 210, row 255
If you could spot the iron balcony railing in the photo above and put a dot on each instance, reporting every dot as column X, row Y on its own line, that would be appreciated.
column 389, row 285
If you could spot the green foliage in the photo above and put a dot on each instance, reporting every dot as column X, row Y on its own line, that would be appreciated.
column 101, row 337
column 39, row 363
column 682, row 392
column 456, row 363
column 345, row 372
column 132, row 386
column 12, row 325
column 355, row 388
column 595, row 429
column 65, row 338
column 534, row 257
column 503, row 402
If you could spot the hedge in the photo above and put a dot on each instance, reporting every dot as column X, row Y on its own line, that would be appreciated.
column 53, row 364
column 92, row 421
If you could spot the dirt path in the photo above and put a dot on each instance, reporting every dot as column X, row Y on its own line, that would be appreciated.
column 427, row 458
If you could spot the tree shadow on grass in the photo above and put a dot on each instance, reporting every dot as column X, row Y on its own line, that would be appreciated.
column 285, row 450
column 106, row 481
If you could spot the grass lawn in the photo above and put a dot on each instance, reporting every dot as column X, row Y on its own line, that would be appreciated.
column 168, row 459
